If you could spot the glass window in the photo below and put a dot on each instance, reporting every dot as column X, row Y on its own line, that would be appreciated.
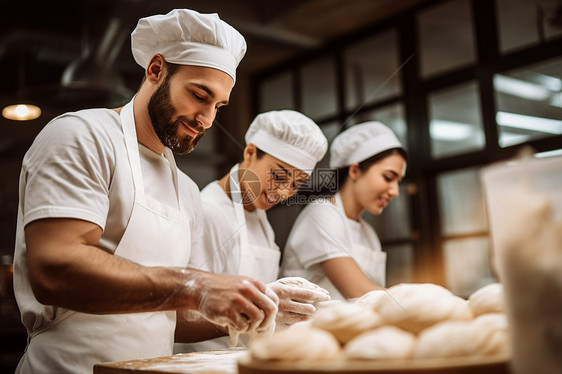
column 446, row 37
column 371, row 70
column 467, row 265
column 277, row 93
column 461, row 203
column 319, row 88
column 529, row 102
column 523, row 23
column 456, row 121
column 399, row 264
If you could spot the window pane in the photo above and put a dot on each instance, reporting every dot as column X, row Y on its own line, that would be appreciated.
column 461, row 203
column 522, row 22
column 319, row 89
column 456, row 121
column 529, row 103
column 446, row 37
column 467, row 265
column 277, row 93
column 399, row 264
column 371, row 69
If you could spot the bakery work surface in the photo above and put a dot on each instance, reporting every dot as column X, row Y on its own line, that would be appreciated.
column 238, row 360
column 210, row 362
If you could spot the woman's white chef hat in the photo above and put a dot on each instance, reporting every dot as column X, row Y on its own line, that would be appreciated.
column 360, row 142
column 289, row 136
column 186, row 37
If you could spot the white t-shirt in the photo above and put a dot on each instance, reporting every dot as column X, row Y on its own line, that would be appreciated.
column 78, row 167
column 323, row 232
column 221, row 251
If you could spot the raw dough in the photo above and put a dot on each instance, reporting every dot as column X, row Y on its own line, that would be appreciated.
column 488, row 299
column 296, row 344
column 346, row 320
column 387, row 342
column 461, row 339
column 416, row 306
column 372, row 299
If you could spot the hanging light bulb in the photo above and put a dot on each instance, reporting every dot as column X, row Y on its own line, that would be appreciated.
column 21, row 112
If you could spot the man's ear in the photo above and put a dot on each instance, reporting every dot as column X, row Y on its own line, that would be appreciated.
column 354, row 171
column 249, row 151
column 156, row 69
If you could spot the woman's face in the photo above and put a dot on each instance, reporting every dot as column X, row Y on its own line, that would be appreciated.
column 267, row 181
column 378, row 185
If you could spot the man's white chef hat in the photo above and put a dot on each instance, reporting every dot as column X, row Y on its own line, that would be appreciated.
column 289, row 136
column 361, row 142
column 186, row 37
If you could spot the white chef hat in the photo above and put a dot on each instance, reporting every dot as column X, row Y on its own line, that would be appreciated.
column 186, row 37
column 360, row 142
column 289, row 136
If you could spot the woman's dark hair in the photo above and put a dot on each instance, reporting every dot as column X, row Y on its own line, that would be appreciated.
column 343, row 173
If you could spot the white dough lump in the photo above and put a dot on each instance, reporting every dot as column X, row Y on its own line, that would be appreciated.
column 387, row 342
column 298, row 344
column 346, row 320
column 464, row 338
column 372, row 299
column 488, row 299
column 416, row 306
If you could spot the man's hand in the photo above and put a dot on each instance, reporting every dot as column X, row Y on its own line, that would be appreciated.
column 296, row 298
column 240, row 303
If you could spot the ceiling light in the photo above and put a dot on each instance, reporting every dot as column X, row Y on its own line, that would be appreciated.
column 21, row 112
column 450, row 130
column 521, row 88
column 531, row 123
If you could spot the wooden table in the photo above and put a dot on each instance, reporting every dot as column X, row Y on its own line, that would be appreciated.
column 210, row 362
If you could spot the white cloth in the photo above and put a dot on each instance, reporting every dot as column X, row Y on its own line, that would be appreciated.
column 360, row 142
column 89, row 146
column 186, row 37
column 323, row 232
column 289, row 136
column 237, row 242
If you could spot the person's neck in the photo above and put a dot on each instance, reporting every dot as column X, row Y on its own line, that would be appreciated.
column 351, row 205
column 143, row 124
column 224, row 184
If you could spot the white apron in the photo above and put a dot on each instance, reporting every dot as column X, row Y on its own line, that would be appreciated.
column 372, row 260
column 261, row 263
column 156, row 235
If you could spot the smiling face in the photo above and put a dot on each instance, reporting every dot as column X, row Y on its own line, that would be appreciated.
column 185, row 105
column 270, row 180
column 375, row 187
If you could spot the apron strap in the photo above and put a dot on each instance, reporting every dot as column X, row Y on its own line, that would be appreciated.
column 131, row 143
column 238, row 205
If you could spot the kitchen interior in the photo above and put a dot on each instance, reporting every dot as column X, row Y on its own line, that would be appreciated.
column 463, row 83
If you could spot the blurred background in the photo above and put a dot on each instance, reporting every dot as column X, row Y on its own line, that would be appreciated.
column 463, row 83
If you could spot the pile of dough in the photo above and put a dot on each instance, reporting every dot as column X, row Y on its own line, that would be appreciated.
column 414, row 307
column 387, row 342
column 297, row 344
column 487, row 336
column 488, row 299
column 372, row 299
column 346, row 320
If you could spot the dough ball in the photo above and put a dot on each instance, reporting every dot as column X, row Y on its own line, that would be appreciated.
column 346, row 320
column 460, row 339
column 296, row 344
column 372, row 299
column 387, row 342
column 488, row 299
column 499, row 336
column 416, row 306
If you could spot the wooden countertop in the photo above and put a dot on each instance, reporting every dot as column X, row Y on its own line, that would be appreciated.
column 210, row 362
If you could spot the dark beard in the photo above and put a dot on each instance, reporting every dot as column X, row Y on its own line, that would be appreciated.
column 161, row 112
